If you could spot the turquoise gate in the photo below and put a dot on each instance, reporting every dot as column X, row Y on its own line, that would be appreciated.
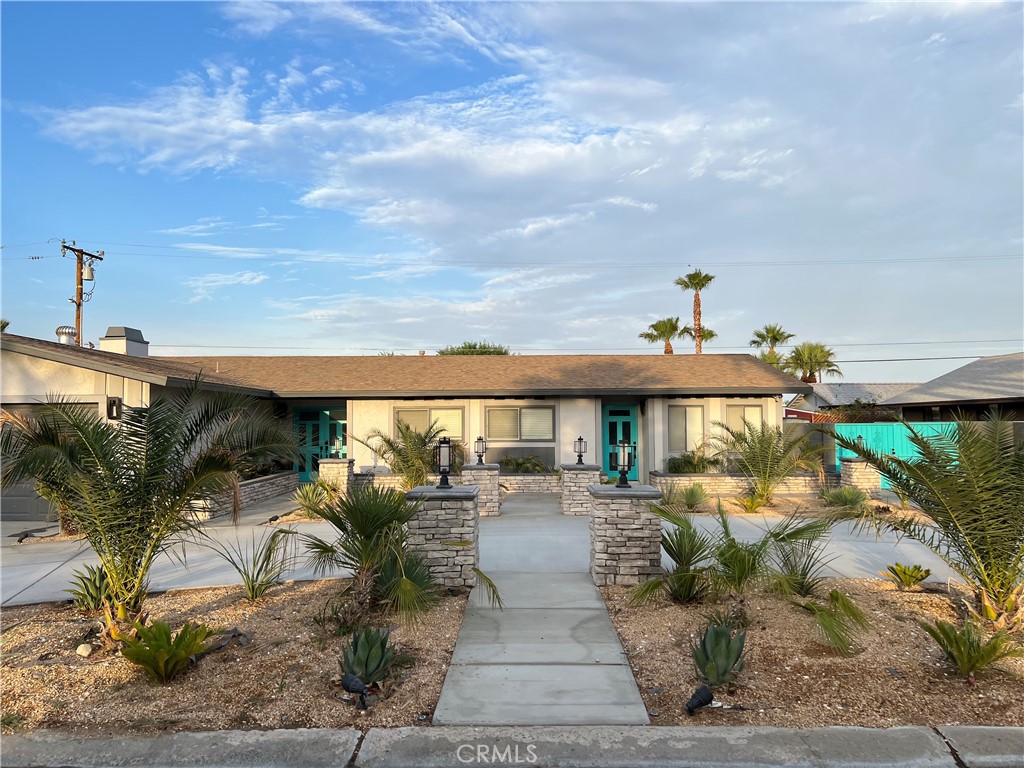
column 887, row 437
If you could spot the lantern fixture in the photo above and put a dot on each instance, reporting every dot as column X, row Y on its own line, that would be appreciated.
column 860, row 443
column 480, row 448
column 626, row 457
column 443, row 459
column 579, row 447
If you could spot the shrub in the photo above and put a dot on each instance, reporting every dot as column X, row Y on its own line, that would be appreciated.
column 693, row 496
column 163, row 656
column 89, row 588
column 766, row 455
column 906, row 576
column 313, row 496
column 690, row 549
column 750, row 504
column 967, row 649
column 261, row 564
column 798, row 566
column 524, row 465
column 718, row 656
column 845, row 497
column 734, row 616
column 368, row 655
column 696, row 462
column 838, row 620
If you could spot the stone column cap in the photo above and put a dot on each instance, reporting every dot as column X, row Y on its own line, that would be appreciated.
column 635, row 491
column 433, row 493
column 852, row 459
column 581, row 467
column 337, row 461
column 479, row 467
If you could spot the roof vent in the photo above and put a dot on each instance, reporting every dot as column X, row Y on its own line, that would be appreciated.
column 125, row 341
column 65, row 334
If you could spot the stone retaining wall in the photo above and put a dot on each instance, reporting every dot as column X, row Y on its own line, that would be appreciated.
column 719, row 484
column 446, row 515
column 625, row 537
column 251, row 492
column 859, row 474
column 539, row 483
column 576, row 479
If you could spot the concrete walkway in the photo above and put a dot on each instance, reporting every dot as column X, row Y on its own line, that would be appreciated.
column 552, row 656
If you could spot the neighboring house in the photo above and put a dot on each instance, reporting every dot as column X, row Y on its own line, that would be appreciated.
column 827, row 396
column 991, row 384
column 523, row 405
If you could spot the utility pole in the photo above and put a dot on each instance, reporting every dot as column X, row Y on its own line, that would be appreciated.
column 83, row 271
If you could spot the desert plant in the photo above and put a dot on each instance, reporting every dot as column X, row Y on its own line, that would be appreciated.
column 718, row 655
column 410, row 453
column 129, row 486
column 696, row 281
column 162, row 655
column 696, row 462
column 368, row 655
column 693, row 496
column 766, row 454
column 845, row 497
column 811, row 360
column 690, row 550
column 906, row 576
column 967, row 482
column 261, row 564
column 314, row 495
column 967, row 649
column 750, row 504
column 524, row 465
column 662, row 332
column 89, row 588
column 734, row 616
column 838, row 620
column 798, row 567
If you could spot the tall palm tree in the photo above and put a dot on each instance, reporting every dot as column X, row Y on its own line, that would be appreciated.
column 664, row 330
column 770, row 336
column 706, row 334
column 696, row 281
column 773, row 358
column 811, row 360
column 129, row 487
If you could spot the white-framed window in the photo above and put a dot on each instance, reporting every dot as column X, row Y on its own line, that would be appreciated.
column 685, row 428
column 521, row 423
column 735, row 415
column 449, row 419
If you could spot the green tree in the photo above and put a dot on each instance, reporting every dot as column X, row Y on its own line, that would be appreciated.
column 810, row 360
column 3, row 324
column 410, row 453
column 770, row 336
column 130, row 487
column 475, row 348
column 696, row 281
column 706, row 333
column 773, row 359
column 968, row 485
column 663, row 331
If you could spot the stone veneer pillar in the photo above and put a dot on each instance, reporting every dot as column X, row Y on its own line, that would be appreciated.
column 576, row 478
column 338, row 473
column 625, row 536
column 446, row 515
column 856, row 472
column 484, row 477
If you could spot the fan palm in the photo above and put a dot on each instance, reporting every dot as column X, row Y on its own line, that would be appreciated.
column 129, row 487
column 811, row 360
column 664, row 331
column 410, row 453
column 696, row 281
column 773, row 358
column 766, row 454
column 770, row 336
column 968, row 484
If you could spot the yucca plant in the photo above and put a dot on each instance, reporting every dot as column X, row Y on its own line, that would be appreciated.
column 162, row 655
column 260, row 565
column 906, row 576
column 838, row 620
column 718, row 655
column 89, row 588
column 690, row 549
column 312, row 496
column 968, row 485
column 693, row 496
column 846, row 497
column 368, row 655
column 766, row 454
column 798, row 567
column 967, row 649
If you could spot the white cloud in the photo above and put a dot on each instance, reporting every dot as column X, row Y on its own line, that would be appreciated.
column 204, row 286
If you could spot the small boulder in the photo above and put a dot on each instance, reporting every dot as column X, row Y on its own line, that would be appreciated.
column 85, row 650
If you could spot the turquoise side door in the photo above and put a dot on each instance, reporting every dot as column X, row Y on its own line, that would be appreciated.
column 619, row 424
column 890, row 437
column 321, row 433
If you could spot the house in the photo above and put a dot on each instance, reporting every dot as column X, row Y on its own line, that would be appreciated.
column 522, row 405
column 991, row 384
column 828, row 396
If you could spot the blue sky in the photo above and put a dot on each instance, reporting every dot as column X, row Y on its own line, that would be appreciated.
column 335, row 178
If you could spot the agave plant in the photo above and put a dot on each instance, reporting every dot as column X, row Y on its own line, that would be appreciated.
column 313, row 496
column 162, row 655
column 718, row 655
column 766, row 454
column 906, row 576
column 968, row 485
column 967, row 649
column 368, row 655
column 89, row 588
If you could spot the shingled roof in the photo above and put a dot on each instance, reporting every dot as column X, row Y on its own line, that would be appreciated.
column 845, row 393
column 989, row 380
column 161, row 371
column 503, row 376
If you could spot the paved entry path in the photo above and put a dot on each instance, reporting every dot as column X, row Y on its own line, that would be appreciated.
column 552, row 656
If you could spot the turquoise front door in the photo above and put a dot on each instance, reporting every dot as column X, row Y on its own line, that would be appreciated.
column 619, row 424
column 321, row 433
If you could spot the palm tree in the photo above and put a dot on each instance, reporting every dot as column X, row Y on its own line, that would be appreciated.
column 772, row 358
column 687, row 332
column 968, row 485
column 810, row 360
column 770, row 336
column 130, row 487
column 410, row 453
column 664, row 330
column 696, row 281
column 4, row 322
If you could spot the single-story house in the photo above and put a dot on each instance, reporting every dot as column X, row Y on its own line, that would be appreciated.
column 828, row 396
column 522, row 405
column 991, row 384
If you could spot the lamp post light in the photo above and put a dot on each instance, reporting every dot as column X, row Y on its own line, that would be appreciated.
column 480, row 448
column 443, row 458
column 860, row 443
column 626, row 457
column 579, row 447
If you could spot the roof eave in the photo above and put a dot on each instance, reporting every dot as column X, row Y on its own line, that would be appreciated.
column 477, row 393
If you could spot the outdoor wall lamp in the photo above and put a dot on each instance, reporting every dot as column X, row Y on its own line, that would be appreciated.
column 626, row 458
column 480, row 448
column 443, row 459
column 579, row 447
column 860, row 443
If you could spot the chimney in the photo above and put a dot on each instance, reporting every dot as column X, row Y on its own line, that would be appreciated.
column 125, row 341
column 65, row 334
